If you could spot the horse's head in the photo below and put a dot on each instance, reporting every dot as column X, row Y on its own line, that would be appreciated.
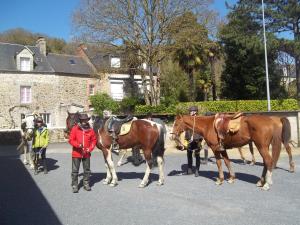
column 177, row 130
column 28, row 126
column 71, row 121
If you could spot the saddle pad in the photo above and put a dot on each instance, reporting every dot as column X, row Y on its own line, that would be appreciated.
column 234, row 125
column 125, row 128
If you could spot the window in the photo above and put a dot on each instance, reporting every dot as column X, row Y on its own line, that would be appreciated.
column 24, row 64
column 25, row 94
column 72, row 61
column 46, row 117
column 115, row 62
column 91, row 89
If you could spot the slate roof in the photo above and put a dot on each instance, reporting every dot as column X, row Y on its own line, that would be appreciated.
column 69, row 64
column 52, row 63
column 8, row 54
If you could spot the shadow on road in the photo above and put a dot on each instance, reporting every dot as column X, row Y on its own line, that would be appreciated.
column 212, row 175
column 21, row 200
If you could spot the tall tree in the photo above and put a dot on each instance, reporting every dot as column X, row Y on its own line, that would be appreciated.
column 189, row 44
column 143, row 24
column 244, row 75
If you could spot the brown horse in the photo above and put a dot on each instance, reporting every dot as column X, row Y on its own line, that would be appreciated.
column 259, row 129
column 145, row 134
column 71, row 121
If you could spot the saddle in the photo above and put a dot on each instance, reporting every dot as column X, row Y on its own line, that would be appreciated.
column 119, row 126
column 225, row 123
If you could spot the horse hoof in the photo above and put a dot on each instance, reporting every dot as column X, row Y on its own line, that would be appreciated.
column 113, row 184
column 106, row 181
column 25, row 162
column 32, row 167
column 259, row 183
column 142, row 185
column 119, row 164
column 231, row 180
column 252, row 163
column 266, row 187
column 160, row 183
column 219, row 181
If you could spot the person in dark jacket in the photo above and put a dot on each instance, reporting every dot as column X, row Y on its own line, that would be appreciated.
column 83, row 139
column 194, row 141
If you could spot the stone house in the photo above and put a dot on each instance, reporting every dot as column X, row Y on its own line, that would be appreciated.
column 51, row 84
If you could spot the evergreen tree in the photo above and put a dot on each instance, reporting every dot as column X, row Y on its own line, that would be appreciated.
column 244, row 74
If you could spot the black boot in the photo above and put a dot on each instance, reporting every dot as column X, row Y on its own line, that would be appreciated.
column 74, row 183
column 197, row 157
column 86, row 174
column 45, row 166
column 87, row 187
column 115, row 146
column 190, row 162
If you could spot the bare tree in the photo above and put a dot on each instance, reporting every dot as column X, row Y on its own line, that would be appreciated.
column 142, row 24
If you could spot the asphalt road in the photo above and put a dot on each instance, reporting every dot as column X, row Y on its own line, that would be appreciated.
column 47, row 199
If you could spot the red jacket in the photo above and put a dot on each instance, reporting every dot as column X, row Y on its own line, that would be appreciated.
column 85, row 138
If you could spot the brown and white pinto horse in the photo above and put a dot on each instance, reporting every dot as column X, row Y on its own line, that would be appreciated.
column 145, row 134
column 259, row 129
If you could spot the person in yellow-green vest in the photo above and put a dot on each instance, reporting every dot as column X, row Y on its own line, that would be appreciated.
column 40, row 144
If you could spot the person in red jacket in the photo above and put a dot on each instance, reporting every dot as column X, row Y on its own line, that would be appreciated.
column 83, row 139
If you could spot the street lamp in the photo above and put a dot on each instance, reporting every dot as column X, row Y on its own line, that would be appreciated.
column 266, row 57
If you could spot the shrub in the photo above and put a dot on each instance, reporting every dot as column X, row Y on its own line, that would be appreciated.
column 103, row 101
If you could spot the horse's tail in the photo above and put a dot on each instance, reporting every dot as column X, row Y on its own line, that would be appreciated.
column 159, row 147
column 284, row 137
column 286, row 131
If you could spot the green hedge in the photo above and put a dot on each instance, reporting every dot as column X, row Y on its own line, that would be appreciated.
column 221, row 106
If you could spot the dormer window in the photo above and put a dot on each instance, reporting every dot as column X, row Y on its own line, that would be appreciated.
column 115, row 62
column 24, row 60
column 24, row 64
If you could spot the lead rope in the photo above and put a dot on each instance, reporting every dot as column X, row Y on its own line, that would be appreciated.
column 193, row 128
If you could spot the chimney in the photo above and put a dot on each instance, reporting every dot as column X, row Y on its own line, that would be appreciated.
column 81, row 50
column 41, row 44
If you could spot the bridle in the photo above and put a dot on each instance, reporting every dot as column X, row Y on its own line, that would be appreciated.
column 176, row 134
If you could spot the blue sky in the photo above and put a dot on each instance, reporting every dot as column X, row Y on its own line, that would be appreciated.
column 52, row 17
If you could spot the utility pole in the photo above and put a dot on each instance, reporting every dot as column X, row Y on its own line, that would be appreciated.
column 266, row 57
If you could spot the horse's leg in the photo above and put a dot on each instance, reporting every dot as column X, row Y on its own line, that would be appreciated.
column 267, row 171
column 252, row 154
column 31, row 154
column 262, row 181
column 119, row 163
column 147, row 155
column 228, row 165
column 220, row 179
column 160, row 162
column 242, row 155
column 289, row 152
column 25, row 159
column 108, row 178
column 111, row 166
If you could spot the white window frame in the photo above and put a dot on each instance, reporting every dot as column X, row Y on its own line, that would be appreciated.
column 91, row 89
column 25, row 64
column 25, row 94
column 46, row 118
column 115, row 62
